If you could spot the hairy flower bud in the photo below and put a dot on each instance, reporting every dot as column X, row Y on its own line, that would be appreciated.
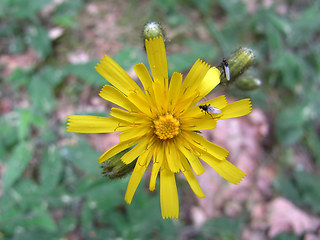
column 238, row 63
column 153, row 30
column 115, row 168
column 248, row 83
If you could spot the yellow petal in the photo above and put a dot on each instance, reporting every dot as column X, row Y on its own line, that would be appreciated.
column 134, row 132
column 145, row 157
column 203, row 145
column 136, row 151
column 131, row 117
column 237, row 109
column 112, row 94
column 207, row 83
column 191, row 179
column 174, row 88
column 196, row 124
column 194, row 77
column 118, row 77
column 218, row 102
column 184, row 103
column 186, row 150
column 141, row 103
column 168, row 194
column 136, row 176
column 172, row 157
column 225, row 169
column 95, row 124
column 145, row 78
column 158, row 158
column 116, row 149
column 161, row 97
column 156, row 53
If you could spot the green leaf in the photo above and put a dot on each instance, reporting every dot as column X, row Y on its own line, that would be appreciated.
column 66, row 12
column 286, row 236
column 289, row 125
column 8, row 130
column 39, row 40
column 21, row 9
column 180, row 62
column 83, row 156
column 128, row 57
column 51, row 169
column 19, row 77
column 106, row 195
column 37, row 234
column 305, row 27
column 41, row 93
column 39, row 218
column 27, row 194
column 53, row 76
column 87, row 73
column 308, row 184
column 286, row 188
column 48, row 136
column 25, row 121
column 17, row 45
column 313, row 142
column 67, row 224
column 17, row 163
column 287, row 68
column 226, row 228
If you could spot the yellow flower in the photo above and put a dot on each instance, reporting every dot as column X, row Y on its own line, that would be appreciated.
column 163, row 123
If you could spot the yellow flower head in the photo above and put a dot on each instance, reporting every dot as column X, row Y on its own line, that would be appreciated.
column 163, row 123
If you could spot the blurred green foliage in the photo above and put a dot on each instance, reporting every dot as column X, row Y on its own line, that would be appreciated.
column 53, row 188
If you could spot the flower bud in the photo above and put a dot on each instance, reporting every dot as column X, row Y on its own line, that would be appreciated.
column 115, row 168
column 153, row 30
column 248, row 83
column 238, row 63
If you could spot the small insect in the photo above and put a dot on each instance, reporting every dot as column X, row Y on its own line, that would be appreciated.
column 226, row 68
column 209, row 109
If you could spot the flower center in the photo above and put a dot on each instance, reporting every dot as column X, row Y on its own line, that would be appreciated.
column 166, row 127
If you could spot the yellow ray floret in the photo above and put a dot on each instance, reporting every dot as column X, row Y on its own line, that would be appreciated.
column 226, row 170
column 237, row 109
column 191, row 178
column 118, row 77
column 116, row 149
column 137, row 174
column 168, row 194
column 158, row 159
column 145, row 78
column 195, row 112
column 157, row 60
column 113, row 95
column 187, row 151
column 134, row 118
column 94, row 124
column 194, row 77
column 207, row 83
column 136, row 151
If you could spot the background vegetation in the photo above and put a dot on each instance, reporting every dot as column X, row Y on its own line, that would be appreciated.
column 50, row 184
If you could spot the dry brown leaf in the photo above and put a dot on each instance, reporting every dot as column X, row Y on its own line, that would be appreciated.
column 284, row 216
